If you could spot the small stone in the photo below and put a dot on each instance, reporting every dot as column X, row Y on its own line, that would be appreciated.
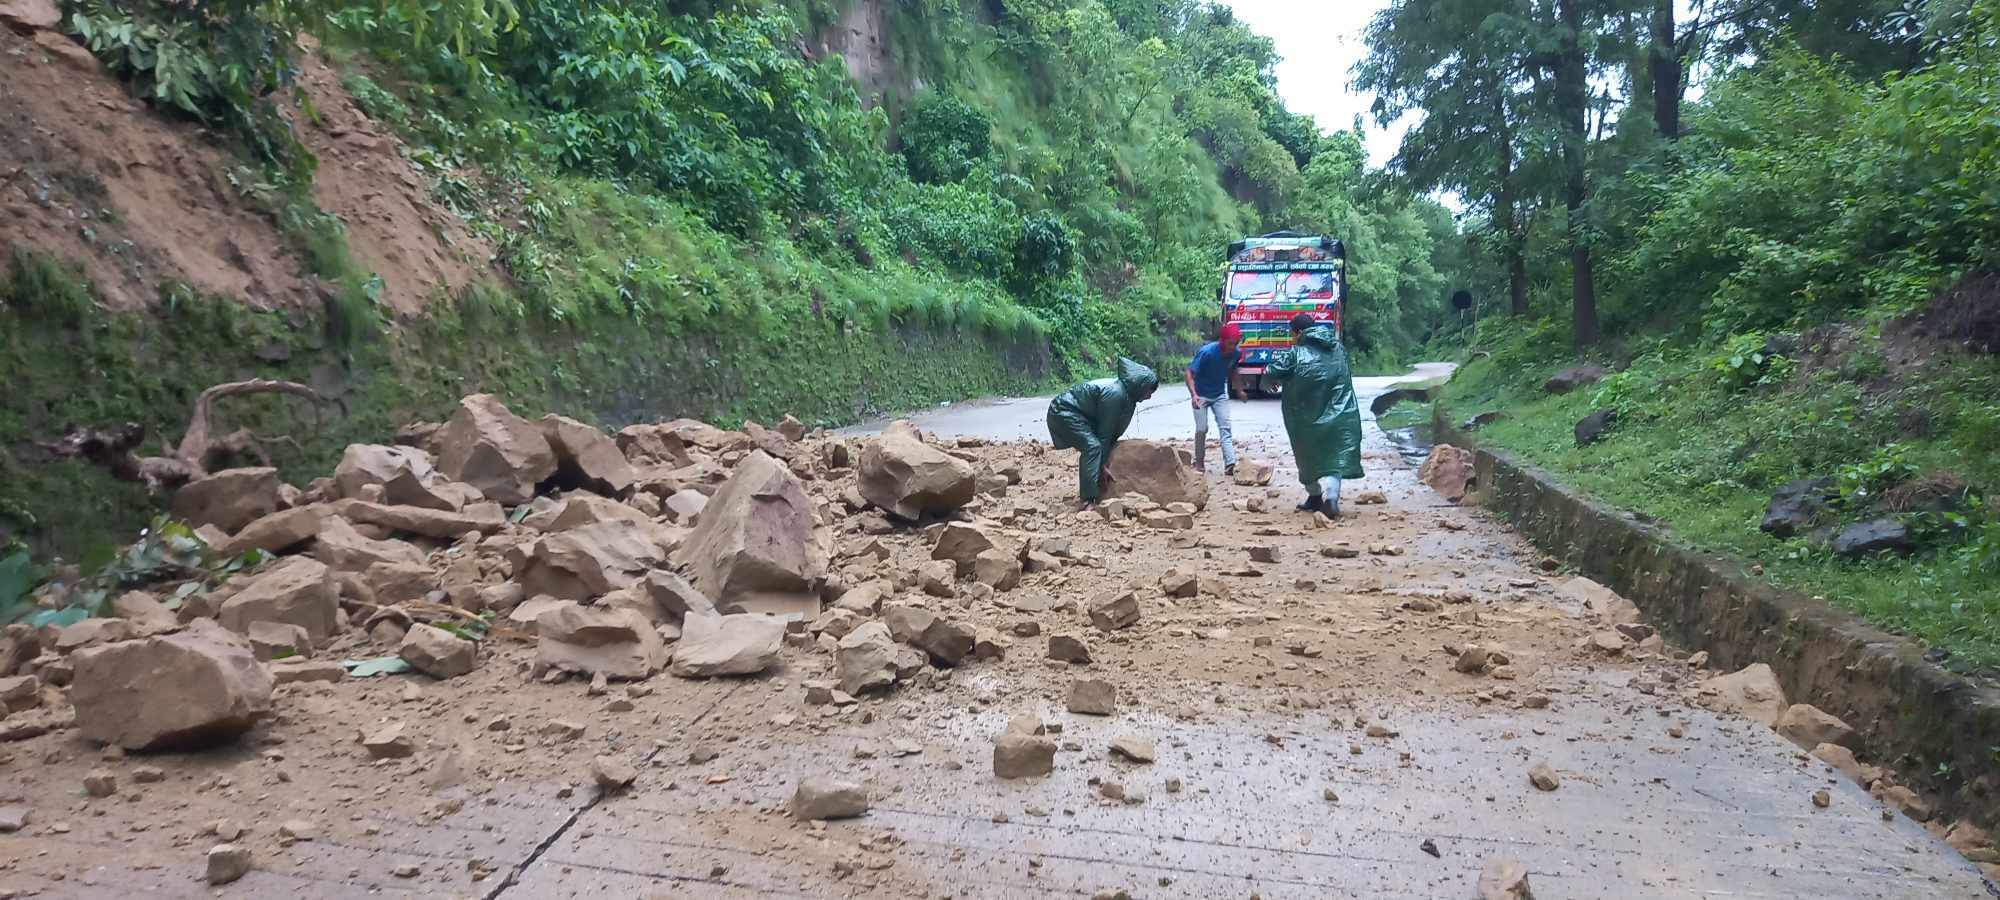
column 1174, row 785
column 1543, row 777
column 1068, row 648
column 1092, row 697
column 148, row 774
column 1380, row 730
column 1339, row 551
column 612, row 774
column 100, row 783
column 227, row 862
column 1017, row 755
column 405, row 870
column 560, row 730
column 1132, row 747
column 13, row 818
column 821, row 797
column 1329, row 796
column 226, row 829
column 297, row 830
column 1822, row 799
column 389, row 742
column 1504, row 879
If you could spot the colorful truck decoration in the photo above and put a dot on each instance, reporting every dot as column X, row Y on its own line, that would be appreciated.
column 1271, row 278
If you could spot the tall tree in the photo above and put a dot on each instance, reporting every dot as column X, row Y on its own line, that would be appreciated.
column 1462, row 65
column 1568, row 68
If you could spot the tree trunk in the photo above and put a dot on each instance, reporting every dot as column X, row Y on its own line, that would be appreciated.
column 1573, row 106
column 1667, row 79
column 1504, row 204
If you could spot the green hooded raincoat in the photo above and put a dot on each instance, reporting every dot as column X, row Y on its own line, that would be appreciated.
column 1091, row 416
column 1321, row 416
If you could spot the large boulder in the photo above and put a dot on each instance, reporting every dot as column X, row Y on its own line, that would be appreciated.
column 1876, row 536
column 615, row 643
column 1155, row 470
column 589, row 561
column 443, row 524
column 908, row 478
column 580, row 508
column 586, row 456
column 503, row 455
column 755, row 548
column 29, row 16
column 652, row 445
column 279, row 531
column 743, row 644
column 296, row 590
column 1796, row 506
column 344, row 549
column 1592, row 428
column 196, row 686
column 403, row 472
column 229, row 499
column 1809, row 726
column 1753, row 691
column 1574, row 377
column 1448, row 470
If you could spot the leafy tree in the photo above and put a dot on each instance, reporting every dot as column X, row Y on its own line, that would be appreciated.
column 943, row 138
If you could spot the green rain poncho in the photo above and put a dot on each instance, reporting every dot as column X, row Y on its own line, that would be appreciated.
column 1321, row 416
column 1091, row 416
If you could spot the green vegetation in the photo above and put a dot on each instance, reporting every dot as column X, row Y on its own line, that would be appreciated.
column 1795, row 271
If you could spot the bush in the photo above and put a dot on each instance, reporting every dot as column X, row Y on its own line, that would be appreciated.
column 943, row 138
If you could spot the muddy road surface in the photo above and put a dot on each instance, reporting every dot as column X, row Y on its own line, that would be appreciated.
column 1378, row 707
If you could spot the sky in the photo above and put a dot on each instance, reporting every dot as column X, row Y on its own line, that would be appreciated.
column 1318, row 43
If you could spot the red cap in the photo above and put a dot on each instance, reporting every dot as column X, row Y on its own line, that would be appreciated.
column 1232, row 333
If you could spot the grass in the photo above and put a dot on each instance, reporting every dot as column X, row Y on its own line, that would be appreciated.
column 1696, row 454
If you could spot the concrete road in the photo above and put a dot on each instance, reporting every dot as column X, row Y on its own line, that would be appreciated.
column 1168, row 416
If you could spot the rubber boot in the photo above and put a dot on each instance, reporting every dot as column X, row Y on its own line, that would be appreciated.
column 1201, row 454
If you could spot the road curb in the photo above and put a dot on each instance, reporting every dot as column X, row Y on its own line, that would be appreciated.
column 1937, row 729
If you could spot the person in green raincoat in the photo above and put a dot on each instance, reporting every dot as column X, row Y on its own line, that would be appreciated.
column 1321, row 416
column 1092, row 416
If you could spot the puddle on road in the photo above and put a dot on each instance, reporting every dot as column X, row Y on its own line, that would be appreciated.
column 1413, row 442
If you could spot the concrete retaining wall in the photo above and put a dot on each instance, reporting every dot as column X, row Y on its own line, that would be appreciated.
column 1912, row 715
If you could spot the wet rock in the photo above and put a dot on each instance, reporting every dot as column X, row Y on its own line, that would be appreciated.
column 1574, row 377
column 1018, row 755
column 1133, row 747
column 612, row 774
column 755, row 540
column 1448, row 470
column 1543, row 777
column 908, row 478
column 619, row 643
column 1154, row 470
column 437, row 652
column 197, row 686
column 1092, row 697
column 1068, row 648
column 741, row 644
column 1796, row 506
column 1592, row 428
column 585, row 456
column 1252, row 473
column 820, row 797
column 1876, row 536
column 486, row 445
column 866, row 659
column 1115, row 611
column 227, row 863
column 230, row 499
column 1504, row 879
column 1809, row 726
column 1752, row 691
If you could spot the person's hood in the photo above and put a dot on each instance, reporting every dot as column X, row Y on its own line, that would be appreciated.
column 1321, row 336
column 1137, row 379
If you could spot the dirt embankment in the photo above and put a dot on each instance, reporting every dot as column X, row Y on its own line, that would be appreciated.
column 136, row 199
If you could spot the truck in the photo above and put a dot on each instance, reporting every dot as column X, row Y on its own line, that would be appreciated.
column 1268, row 280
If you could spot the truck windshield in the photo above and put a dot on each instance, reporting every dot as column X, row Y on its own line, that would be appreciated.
column 1308, row 285
column 1252, row 285
column 1288, row 285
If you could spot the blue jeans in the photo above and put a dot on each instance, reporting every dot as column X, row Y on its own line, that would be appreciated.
column 1219, row 407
